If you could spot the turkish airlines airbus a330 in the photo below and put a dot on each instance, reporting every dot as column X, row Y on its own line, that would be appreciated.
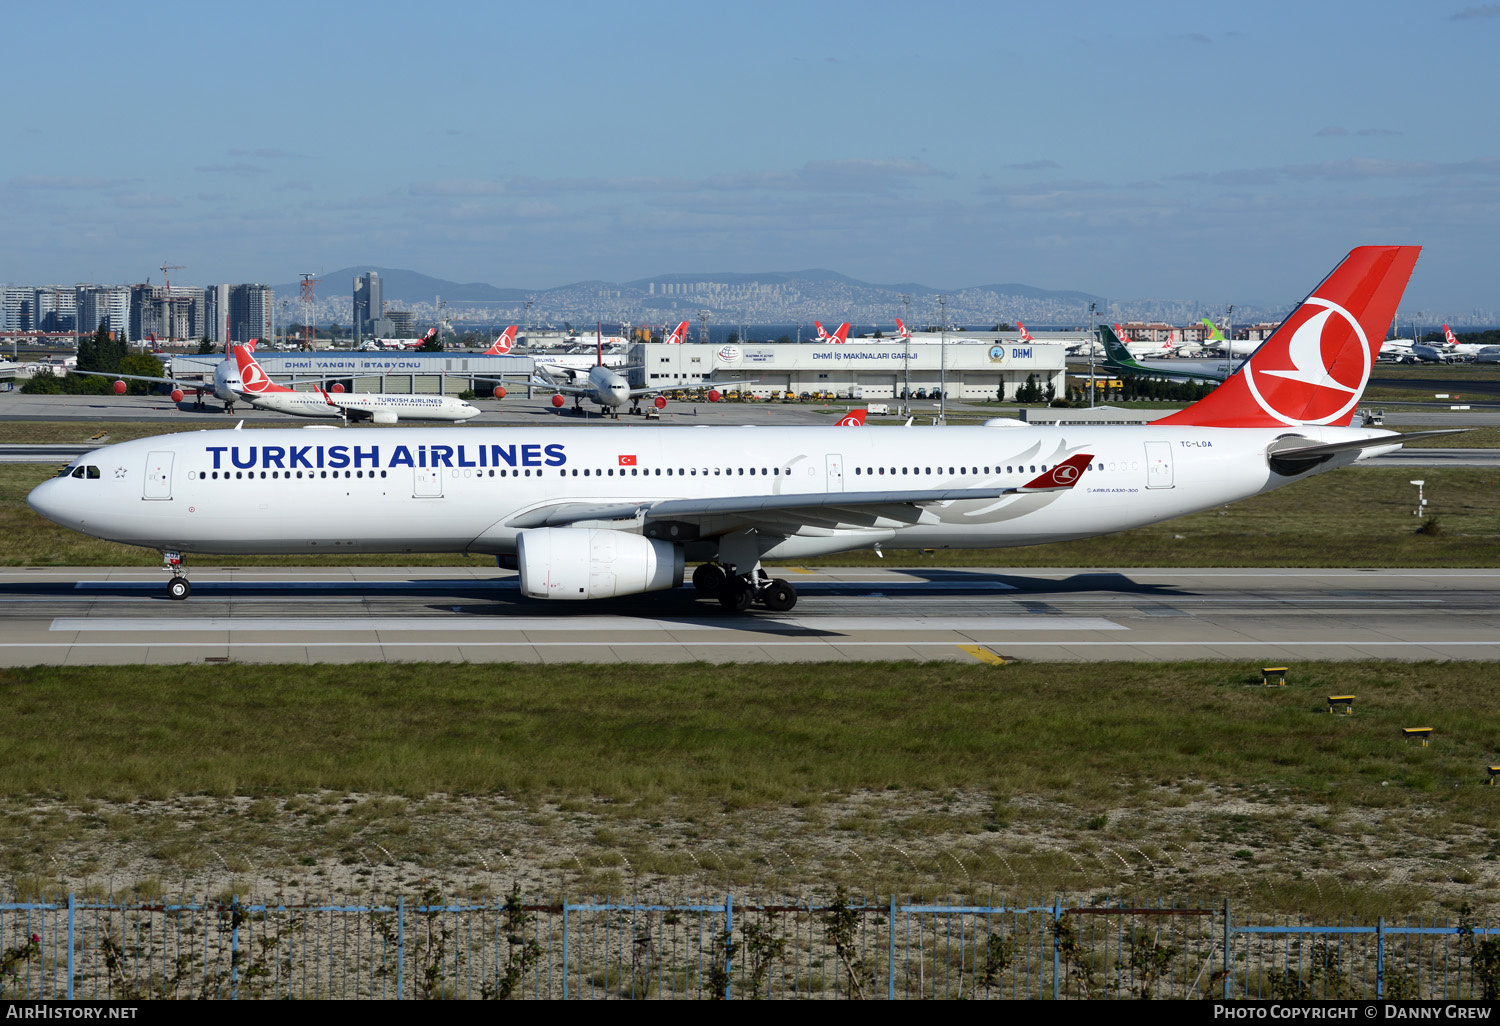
column 593, row 513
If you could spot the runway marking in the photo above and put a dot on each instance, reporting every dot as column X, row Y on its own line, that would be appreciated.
column 984, row 655
column 581, row 624
column 841, row 643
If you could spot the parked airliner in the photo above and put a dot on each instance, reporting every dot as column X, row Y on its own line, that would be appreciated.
column 261, row 392
column 586, row 514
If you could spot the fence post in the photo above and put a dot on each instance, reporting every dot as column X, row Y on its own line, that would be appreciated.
column 891, row 990
column 70, row 945
column 234, row 947
column 401, row 948
column 1056, row 950
column 565, row 949
column 728, row 944
column 1228, row 929
column 1379, row 958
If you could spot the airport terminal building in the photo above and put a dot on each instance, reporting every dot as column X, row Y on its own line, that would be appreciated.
column 419, row 373
column 971, row 369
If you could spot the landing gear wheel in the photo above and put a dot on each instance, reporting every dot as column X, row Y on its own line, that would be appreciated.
column 736, row 595
column 778, row 596
column 179, row 588
column 710, row 578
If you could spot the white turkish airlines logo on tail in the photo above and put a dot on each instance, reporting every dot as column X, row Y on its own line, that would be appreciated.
column 251, row 376
column 1330, row 386
column 504, row 343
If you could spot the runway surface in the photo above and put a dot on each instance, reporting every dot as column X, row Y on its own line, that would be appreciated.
column 1258, row 617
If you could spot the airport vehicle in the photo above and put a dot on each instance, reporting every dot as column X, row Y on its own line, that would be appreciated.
column 598, row 513
column 840, row 334
column 1119, row 358
column 261, row 392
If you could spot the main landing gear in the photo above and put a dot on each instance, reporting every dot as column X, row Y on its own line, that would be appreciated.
column 738, row 592
column 178, row 587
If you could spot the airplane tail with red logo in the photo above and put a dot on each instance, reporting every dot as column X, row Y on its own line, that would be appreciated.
column 1314, row 367
column 1025, row 335
column 902, row 331
column 854, row 418
column 1448, row 336
column 679, row 334
column 252, row 378
column 503, row 344
column 841, row 335
column 823, row 336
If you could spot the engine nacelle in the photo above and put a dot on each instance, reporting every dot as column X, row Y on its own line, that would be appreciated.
column 579, row 563
column 384, row 417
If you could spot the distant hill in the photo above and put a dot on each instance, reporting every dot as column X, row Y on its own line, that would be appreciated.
column 403, row 287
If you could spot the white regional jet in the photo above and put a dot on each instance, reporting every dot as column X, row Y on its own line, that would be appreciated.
column 257, row 389
column 586, row 514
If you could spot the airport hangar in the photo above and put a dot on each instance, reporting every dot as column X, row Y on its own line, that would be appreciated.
column 420, row 373
column 976, row 367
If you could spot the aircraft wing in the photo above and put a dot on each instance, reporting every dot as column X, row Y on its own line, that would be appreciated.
column 559, row 387
column 785, row 513
column 178, row 382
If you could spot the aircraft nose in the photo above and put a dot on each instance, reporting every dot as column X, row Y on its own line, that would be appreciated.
column 46, row 500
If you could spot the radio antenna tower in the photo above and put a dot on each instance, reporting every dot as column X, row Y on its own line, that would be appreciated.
column 308, row 285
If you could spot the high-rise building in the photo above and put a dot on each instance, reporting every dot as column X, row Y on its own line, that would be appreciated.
column 216, row 315
column 368, row 306
column 54, row 309
column 250, row 312
column 103, row 305
column 16, row 305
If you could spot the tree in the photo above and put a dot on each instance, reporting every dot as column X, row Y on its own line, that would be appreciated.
column 205, row 345
column 1002, row 326
column 734, row 337
column 101, row 351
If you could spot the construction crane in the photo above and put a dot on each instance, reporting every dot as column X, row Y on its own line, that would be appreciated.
column 166, row 301
column 308, row 285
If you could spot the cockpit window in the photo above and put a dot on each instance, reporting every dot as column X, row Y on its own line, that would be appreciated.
column 77, row 471
column 64, row 472
column 92, row 473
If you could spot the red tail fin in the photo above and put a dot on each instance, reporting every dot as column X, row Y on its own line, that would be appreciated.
column 1025, row 335
column 1449, row 336
column 842, row 335
column 503, row 344
column 252, row 377
column 823, row 335
column 679, row 334
column 854, row 418
column 1313, row 369
column 901, row 329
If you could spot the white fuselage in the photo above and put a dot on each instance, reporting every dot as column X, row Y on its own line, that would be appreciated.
column 471, row 489
column 381, row 407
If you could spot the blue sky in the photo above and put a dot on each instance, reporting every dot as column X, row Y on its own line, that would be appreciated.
column 1219, row 152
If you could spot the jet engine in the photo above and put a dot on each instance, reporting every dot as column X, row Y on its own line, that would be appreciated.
column 578, row 563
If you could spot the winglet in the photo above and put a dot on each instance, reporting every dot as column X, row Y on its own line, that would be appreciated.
column 1061, row 477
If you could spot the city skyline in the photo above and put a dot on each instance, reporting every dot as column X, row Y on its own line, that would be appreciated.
column 1219, row 156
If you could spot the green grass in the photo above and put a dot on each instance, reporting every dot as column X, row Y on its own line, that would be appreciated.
column 1156, row 780
column 744, row 735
